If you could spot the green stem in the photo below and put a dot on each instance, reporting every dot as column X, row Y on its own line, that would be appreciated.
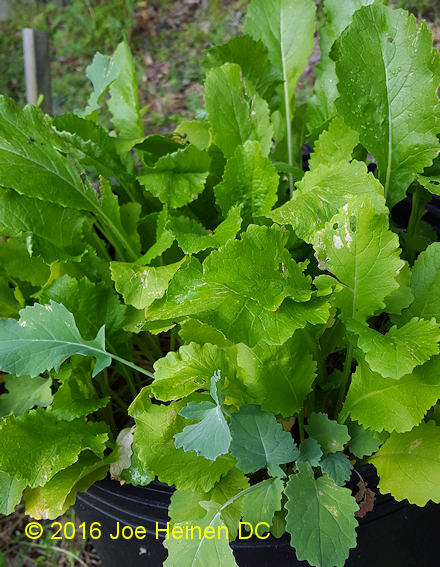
column 345, row 378
column 131, row 365
column 417, row 211
column 173, row 339
column 301, row 425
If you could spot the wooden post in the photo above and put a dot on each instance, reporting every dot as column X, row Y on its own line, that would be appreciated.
column 36, row 65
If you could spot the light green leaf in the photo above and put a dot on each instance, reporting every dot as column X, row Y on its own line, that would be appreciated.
column 192, row 330
column 154, row 439
column 358, row 248
column 102, row 72
column 164, row 239
column 286, row 28
column 124, row 101
column 253, row 58
column 320, row 518
column 210, row 437
column 18, row 264
column 197, row 133
column 59, row 494
column 425, row 285
column 235, row 114
column 278, row 378
column 11, row 491
column 331, row 435
column 43, row 338
column 141, row 285
column 400, row 350
column 177, row 178
column 408, row 465
column 380, row 403
column 261, row 504
column 401, row 297
column 76, row 396
column 92, row 304
column 310, row 452
column 389, row 95
column 56, row 233
column 24, row 393
column 337, row 466
column 259, row 441
column 35, row 446
column 240, row 289
column 363, row 441
column 332, row 181
column 250, row 180
column 178, row 374
column 203, row 551
column 192, row 237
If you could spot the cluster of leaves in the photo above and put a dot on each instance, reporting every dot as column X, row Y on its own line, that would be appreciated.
column 306, row 321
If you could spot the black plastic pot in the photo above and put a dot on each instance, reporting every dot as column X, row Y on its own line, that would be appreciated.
column 394, row 534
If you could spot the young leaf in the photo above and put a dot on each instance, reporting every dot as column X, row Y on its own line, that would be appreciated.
column 210, row 437
column 398, row 74
column 337, row 466
column 177, row 178
column 199, row 551
column 250, row 180
column 331, row 435
column 332, row 180
column 408, row 465
column 259, row 441
column 235, row 114
column 178, row 374
column 261, row 504
column 43, row 338
column 310, row 452
column 23, row 393
column 400, row 350
column 278, row 378
column 141, row 285
column 59, row 494
column 154, row 439
column 101, row 72
column 192, row 237
column 320, row 518
column 363, row 441
column 358, row 248
column 33, row 446
column 11, row 491
column 18, row 265
column 394, row 405
column 197, row 133
column 124, row 101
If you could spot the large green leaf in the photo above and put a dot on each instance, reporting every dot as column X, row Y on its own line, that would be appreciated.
column 331, row 435
column 23, row 393
column 202, row 551
column 58, row 495
column 154, row 439
column 321, row 106
column 11, row 491
column 177, row 178
column 400, row 350
column 240, row 290
column 124, row 102
column 55, row 233
column 35, row 446
column 210, row 436
column 278, row 378
column 43, row 338
column 358, row 248
column 250, row 180
column 390, row 94
column 332, row 180
column 320, row 518
column 394, row 405
column 235, row 114
column 259, row 441
column 178, row 374
column 408, row 465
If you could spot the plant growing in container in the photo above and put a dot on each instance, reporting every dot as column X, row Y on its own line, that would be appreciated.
column 199, row 309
